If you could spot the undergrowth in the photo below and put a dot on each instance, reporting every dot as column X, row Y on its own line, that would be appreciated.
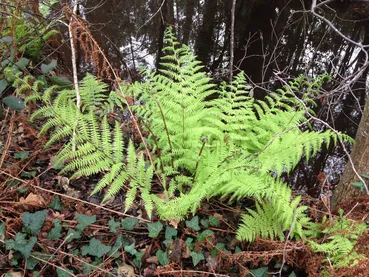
column 204, row 141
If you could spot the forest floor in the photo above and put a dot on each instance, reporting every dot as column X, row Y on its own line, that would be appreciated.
column 51, row 226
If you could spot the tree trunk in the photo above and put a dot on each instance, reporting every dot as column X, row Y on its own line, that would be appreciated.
column 360, row 152
column 360, row 157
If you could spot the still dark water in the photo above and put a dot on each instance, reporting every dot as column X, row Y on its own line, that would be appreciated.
column 269, row 36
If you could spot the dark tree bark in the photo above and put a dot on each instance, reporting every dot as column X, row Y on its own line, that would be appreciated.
column 167, row 19
column 360, row 156
column 190, row 9
column 205, row 39
column 360, row 152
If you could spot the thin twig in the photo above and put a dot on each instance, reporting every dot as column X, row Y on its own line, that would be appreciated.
column 231, row 50
column 75, row 74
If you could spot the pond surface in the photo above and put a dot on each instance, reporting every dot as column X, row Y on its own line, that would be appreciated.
column 270, row 37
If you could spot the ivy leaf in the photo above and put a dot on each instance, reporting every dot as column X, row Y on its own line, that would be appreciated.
column 119, row 244
column 293, row 274
column 138, row 257
column 260, row 272
column 64, row 272
column 129, row 222
column 154, row 229
column 205, row 222
column 61, row 81
column 56, row 204
column 196, row 257
column 14, row 103
column 3, row 85
column 95, row 248
column 162, row 257
column 113, row 225
column 21, row 244
column 220, row 246
column 193, row 223
column 55, row 232
column 32, row 222
column 214, row 220
column 170, row 232
column 73, row 234
column 84, row 221
column 46, row 68
column 189, row 242
column 6, row 39
column 22, row 63
column 2, row 230
column 203, row 235
column 130, row 249
column 21, row 155
column 31, row 263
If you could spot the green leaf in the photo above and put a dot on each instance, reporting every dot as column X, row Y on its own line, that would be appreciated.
column 138, row 258
column 113, row 225
column 6, row 39
column 237, row 250
column 95, row 248
column 293, row 274
column 120, row 243
column 2, row 230
column 260, row 272
column 62, row 272
column 61, row 81
column 189, row 242
column 359, row 185
column 73, row 234
column 32, row 222
column 3, row 85
column 193, row 223
column 14, row 103
column 365, row 176
column 170, row 232
column 220, row 246
column 36, row 273
column 21, row 244
column 21, row 155
column 162, row 257
column 31, row 263
column 203, row 235
column 129, row 222
column 130, row 249
column 56, row 204
column 214, row 220
column 205, row 222
column 46, row 68
column 84, row 221
column 22, row 63
column 154, row 229
column 196, row 257
column 55, row 232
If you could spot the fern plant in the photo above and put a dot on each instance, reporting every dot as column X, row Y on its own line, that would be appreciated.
column 230, row 145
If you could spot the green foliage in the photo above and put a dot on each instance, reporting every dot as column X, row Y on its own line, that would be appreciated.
column 193, row 223
column 340, row 237
column 154, row 229
column 204, row 141
column 32, row 222
column 129, row 223
column 84, row 221
column 21, row 244
column 196, row 257
column 162, row 257
column 95, row 248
